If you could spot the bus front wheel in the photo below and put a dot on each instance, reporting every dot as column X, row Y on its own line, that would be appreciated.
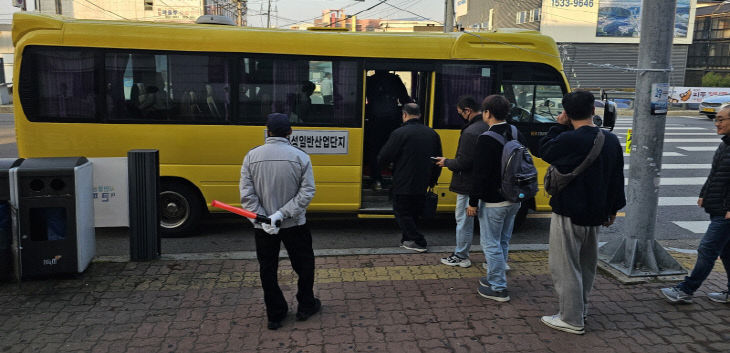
column 180, row 208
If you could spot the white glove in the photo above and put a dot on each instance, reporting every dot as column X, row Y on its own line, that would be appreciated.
column 268, row 228
column 272, row 228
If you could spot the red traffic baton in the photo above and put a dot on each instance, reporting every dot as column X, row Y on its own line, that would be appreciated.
column 246, row 213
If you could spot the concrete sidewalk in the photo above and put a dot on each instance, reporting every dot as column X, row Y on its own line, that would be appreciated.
column 371, row 303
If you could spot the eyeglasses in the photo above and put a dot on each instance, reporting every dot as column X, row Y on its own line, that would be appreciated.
column 721, row 120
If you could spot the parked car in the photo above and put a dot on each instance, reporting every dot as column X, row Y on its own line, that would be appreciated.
column 711, row 105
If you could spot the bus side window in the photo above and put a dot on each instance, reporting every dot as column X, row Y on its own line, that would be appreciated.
column 455, row 81
column 62, row 82
column 293, row 86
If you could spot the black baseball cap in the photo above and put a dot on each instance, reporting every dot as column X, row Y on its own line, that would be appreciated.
column 278, row 123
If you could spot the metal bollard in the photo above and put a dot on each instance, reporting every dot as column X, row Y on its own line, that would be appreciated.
column 144, row 218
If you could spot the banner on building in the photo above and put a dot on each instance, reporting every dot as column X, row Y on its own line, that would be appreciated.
column 460, row 7
column 695, row 94
column 607, row 21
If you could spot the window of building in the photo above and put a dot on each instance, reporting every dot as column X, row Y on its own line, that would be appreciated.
column 521, row 17
column 538, row 14
column 148, row 4
column 59, row 8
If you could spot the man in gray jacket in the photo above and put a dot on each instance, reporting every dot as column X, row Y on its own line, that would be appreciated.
column 277, row 180
column 462, row 180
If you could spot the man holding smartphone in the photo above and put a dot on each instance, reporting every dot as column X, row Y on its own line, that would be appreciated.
column 462, row 179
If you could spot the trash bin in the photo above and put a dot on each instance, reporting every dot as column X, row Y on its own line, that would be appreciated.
column 53, row 209
column 6, row 264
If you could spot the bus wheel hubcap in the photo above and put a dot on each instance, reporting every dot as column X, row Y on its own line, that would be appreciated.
column 175, row 209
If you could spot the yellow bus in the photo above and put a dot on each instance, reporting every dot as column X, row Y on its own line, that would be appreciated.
column 200, row 94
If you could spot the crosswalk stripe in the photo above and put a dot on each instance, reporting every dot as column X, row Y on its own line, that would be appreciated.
column 681, row 166
column 678, row 181
column 697, row 227
column 681, row 133
column 665, row 154
column 677, row 201
column 695, row 140
column 697, row 148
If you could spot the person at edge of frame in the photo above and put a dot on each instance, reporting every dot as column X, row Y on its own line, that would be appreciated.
column 715, row 199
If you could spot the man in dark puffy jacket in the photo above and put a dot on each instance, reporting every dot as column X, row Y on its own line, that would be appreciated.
column 715, row 199
column 409, row 148
column 461, row 181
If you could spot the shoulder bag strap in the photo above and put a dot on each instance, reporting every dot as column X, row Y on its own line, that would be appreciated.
column 593, row 154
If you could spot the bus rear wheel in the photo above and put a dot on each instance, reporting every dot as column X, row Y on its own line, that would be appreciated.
column 181, row 208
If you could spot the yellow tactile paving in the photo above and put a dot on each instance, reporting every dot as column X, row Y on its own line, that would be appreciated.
column 523, row 263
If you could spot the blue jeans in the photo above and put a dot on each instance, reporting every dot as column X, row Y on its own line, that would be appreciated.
column 495, row 229
column 464, row 227
column 716, row 242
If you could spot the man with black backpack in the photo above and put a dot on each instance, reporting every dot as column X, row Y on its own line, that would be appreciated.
column 590, row 199
column 502, row 177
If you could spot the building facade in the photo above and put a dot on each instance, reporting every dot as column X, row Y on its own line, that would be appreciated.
column 598, row 39
column 492, row 14
column 186, row 11
column 710, row 49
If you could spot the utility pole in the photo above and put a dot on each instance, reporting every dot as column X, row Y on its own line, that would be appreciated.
column 268, row 15
column 449, row 16
column 638, row 254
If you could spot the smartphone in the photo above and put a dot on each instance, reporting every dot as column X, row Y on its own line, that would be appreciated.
column 434, row 159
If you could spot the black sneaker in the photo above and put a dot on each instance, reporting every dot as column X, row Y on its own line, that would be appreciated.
column 484, row 282
column 487, row 292
column 274, row 325
column 304, row 315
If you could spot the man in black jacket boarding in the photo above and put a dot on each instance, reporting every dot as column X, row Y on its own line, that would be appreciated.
column 715, row 199
column 590, row 200
column 410, row 148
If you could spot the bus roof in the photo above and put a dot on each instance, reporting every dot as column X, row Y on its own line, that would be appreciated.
column 525, row 46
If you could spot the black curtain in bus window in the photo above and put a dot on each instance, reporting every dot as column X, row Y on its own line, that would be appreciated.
column 455, row 81
column 200, row 90
column 310, row 92
column 63, row 84
column 159, row 87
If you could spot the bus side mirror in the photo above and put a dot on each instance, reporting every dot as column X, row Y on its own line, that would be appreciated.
column 609, row 112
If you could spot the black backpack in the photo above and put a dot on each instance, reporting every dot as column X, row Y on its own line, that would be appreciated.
column 519, row 175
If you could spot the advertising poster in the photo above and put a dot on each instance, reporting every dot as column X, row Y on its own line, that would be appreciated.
column 111, row 192
column 622, row 18
column 659, row 98
column 607, row 21
column 695, row 94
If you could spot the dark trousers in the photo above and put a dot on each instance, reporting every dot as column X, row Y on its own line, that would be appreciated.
column 716, row 242
column 377, row 131
column 298, row 243
column 408, row 209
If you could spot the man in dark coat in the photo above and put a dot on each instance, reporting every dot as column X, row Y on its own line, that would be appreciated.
column 715, row 199
column 462, row 179
column 410, row 148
